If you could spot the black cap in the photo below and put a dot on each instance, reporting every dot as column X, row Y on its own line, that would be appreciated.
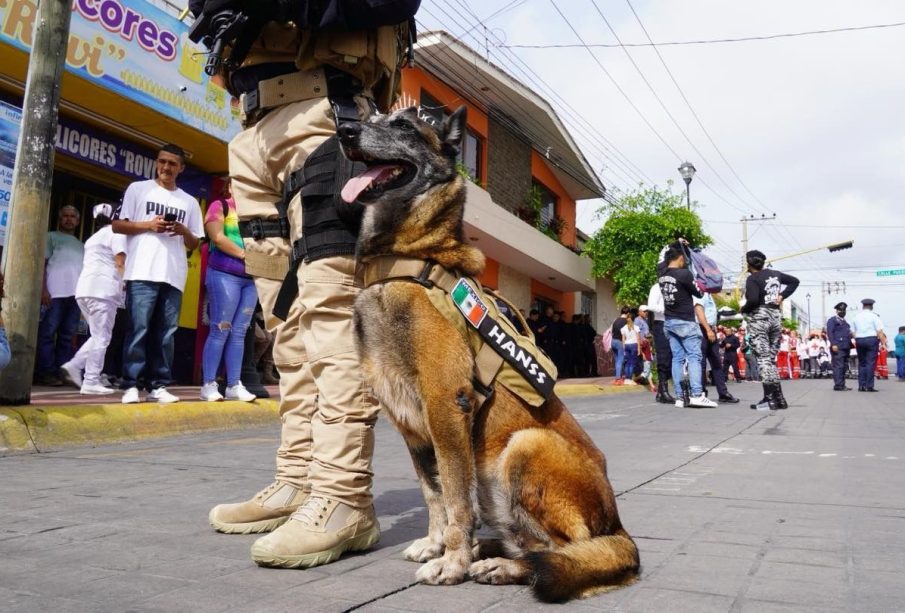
column 868, row 302
column 841, row 305
column 755, row 258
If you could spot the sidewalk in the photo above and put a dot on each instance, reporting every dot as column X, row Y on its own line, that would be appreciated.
column 59, row 417
column 733, row 510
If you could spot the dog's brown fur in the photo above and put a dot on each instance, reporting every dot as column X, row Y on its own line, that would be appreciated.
column 532, row 473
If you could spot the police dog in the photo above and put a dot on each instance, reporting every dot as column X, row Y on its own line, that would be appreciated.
column 531, row 473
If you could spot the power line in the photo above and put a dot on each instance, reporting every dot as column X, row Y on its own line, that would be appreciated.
column 650, row 43
column 613, row 157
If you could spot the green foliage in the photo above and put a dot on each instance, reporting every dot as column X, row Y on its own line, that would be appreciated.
column 463, row 170
column 531, row 213
column 626, row 248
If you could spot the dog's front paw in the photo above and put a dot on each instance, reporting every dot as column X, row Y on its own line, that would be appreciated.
column 448, row 570
column 496, row 571
column 423, row 549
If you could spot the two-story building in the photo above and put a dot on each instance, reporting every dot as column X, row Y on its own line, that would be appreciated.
column 123, row 97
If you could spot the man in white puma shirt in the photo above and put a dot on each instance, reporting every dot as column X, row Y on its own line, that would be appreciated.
column 161, row 222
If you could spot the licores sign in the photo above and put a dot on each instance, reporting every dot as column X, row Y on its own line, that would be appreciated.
column 138, row 51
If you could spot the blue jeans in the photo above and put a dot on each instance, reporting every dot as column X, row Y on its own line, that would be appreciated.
column 58, row 325
column 5, row 353
column 153, row 310
column 231, row 303
column 685, row 343
column 631, row 356
column 619, row 350
column 900, row 365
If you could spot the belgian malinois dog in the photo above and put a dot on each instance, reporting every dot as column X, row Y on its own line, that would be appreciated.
column 532, row 473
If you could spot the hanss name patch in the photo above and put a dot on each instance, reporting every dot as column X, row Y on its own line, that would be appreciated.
column 522, row 360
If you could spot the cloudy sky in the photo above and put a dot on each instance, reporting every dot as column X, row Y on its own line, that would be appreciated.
column 812, row 127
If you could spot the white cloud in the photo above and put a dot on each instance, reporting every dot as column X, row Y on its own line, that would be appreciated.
column 813, row 125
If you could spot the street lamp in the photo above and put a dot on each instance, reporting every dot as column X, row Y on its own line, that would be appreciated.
column 808, row 296
column 687, row 171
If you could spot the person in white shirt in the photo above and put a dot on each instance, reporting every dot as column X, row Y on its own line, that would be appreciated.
column 631, row 345
column 661, row 344
column 867, row 328
column 60, row 320
column 161, row 222
column 99, row 292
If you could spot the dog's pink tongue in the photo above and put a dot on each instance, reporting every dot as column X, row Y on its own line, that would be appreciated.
column 356, row 185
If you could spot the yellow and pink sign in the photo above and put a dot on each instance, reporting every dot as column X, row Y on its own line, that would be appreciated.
column 137, row 50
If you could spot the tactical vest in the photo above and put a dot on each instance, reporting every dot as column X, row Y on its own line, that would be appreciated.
column 502, row 354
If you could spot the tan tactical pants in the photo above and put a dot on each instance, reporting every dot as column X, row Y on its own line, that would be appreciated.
column 327, row 413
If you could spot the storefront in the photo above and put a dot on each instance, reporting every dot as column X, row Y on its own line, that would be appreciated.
column 133, row 82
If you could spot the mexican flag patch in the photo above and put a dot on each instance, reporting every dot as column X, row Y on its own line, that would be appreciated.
column 468, row 301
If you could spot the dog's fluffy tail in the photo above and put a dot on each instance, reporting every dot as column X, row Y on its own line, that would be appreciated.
column 584, row 568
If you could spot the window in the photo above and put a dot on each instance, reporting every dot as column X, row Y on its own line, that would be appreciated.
column 435, row 113
column 470, row 156
column 548, row 204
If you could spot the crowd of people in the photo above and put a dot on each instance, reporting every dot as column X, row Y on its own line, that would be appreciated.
column 682, row 321
column 569, row 344
column 136, row 262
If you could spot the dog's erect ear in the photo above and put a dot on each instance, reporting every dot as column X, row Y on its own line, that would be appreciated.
column 453, row 131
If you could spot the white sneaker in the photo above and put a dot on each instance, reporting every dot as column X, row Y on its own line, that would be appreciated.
column 702, row 402
column 131, row 396
column 680, row 404
column 210, row 392
column 71, row 374
column 162, row 396
column 95, row 389
column 629, row 382
column 238, row 392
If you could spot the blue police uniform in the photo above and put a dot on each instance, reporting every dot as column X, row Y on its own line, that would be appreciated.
column 866, row 327
column 839, row 334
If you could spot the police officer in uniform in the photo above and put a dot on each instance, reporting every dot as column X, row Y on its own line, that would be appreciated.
column 295, row 86
column 840, row 336
column 867, row 329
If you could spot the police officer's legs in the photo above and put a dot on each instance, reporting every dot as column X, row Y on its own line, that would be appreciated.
column 260, row 159
column 868, row 348
column 338, row 516
column 664, row 363
column 840, row 358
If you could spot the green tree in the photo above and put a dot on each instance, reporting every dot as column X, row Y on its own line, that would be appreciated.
column 638, row 225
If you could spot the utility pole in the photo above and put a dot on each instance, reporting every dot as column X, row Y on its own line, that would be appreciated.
column 826, row 289
column 744, row 273
column 23, row 257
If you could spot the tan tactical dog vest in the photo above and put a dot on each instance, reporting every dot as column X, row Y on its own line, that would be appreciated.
column 501, row 353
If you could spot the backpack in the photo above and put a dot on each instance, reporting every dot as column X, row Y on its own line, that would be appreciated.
column 607, row 339
column 707, row 274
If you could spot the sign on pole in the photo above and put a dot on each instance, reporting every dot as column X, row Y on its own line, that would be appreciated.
column 891, row 273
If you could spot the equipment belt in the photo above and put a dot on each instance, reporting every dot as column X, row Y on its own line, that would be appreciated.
column 276, row 91
column 259, row 229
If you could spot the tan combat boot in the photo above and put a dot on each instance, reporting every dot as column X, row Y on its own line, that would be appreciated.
column 268, row 510
column 318, row 533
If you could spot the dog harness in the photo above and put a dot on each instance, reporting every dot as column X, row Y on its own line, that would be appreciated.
column 501, row 353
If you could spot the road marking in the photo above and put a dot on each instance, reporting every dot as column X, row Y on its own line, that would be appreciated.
column 729, row 450
column 768, row 452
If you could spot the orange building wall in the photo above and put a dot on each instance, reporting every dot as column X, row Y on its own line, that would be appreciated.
column 565, row 206
column 562, row 301
column 491, row 275
column 415, row 79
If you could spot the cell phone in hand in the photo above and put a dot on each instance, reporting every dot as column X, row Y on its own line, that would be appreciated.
column 170, row 217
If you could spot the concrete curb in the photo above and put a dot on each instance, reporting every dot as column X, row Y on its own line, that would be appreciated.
column 44, row 428
column 35, row 429
column 14, row 435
